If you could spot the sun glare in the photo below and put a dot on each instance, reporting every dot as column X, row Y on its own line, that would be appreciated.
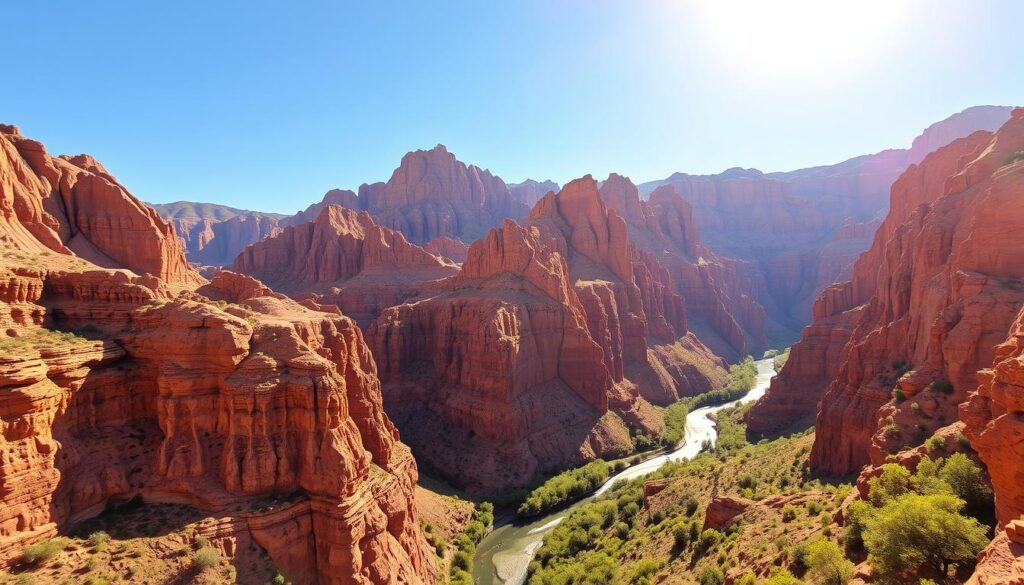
column 786, row 39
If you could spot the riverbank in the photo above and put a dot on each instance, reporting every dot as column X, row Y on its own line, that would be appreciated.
column 503, row 557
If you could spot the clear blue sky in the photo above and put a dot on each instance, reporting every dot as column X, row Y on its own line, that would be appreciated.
column 266, row 105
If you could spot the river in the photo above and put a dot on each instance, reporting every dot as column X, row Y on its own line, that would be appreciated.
column 504, row 555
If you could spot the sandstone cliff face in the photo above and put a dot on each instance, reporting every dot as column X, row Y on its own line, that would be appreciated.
column 115, row 385
column 73, row 206
column 719, row 305
column 494, row 376
column 213, row 235
column 926, row 305
column 433, row 194
column 346, row 259
column 993, row 422
column 451, row 248
column 788, row 226
column 632, row 307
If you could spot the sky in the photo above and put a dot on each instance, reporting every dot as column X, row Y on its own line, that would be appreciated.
column 267, row 105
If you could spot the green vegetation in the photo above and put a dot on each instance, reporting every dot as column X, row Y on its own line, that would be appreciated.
column 205, row 558
column 743, row 376
column 826, row 564
column 461, row 572
column 37, row 554
column 98, row 540
column 780, row 359
column 916, row 531
column 1015, row 157
column 565, row 488
column 913, row 521
column 620, row 538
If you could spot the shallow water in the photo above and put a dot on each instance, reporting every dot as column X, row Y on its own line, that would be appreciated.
column 504, row 555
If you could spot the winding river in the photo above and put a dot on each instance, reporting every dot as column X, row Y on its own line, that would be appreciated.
column 504, row 555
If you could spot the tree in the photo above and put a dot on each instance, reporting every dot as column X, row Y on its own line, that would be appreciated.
column 894, row 482
column 826, row 563
column 965, row 478
column 915, row 531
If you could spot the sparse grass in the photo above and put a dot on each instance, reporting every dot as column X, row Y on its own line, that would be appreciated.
column 36, row 554
column 205, row 558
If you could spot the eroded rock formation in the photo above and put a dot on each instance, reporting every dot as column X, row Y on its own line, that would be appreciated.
column 117, row 382
column 792, row 227
column 719, row 305
column 213, row 235
column 924, row 309
column 494, row 377
column 343, row 258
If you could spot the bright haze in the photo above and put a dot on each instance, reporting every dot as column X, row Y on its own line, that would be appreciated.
column 265, row 105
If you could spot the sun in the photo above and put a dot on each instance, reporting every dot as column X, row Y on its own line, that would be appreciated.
column 788, row 39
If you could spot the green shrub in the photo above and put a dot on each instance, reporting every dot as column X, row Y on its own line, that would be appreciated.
column 690, row 504
column 747, row 578
column 935, row 443
column 826, row 564
column 98, row 540
column 788, row 513
column 708, row 539
column 645, row 569
column 747, row 481
column 36, row 554
column 915, row 531
column 681, row 535
column 894, row 482
column 711, row 576
column 565, row 488
column 782, row 576
column 205, row 558
column 813, row 508
column 278, row 579
column 898, row 396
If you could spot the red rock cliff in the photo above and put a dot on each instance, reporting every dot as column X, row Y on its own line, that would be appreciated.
column 433, row 194
column 632, row 307
column 346, row 259
column 931, row 299
column 719, row 305
column 494, row 377
column 115, row 385
column 73, row 206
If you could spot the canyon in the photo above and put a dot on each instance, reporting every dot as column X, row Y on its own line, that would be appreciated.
column 493, row 334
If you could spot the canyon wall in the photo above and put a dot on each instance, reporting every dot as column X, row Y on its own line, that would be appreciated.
column 923, row 311
column 494, row 377
column 344, row 258
column 798, row 231
column 124, row 375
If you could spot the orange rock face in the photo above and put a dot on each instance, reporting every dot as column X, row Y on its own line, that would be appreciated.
column 115, row 385
column 792, row 228
column 494, row 376
column 719, row 306
column 529, row 191
column 993, row 423
column 346, row 259
column 925, row 307
column 451, row 248
column 73, row 206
